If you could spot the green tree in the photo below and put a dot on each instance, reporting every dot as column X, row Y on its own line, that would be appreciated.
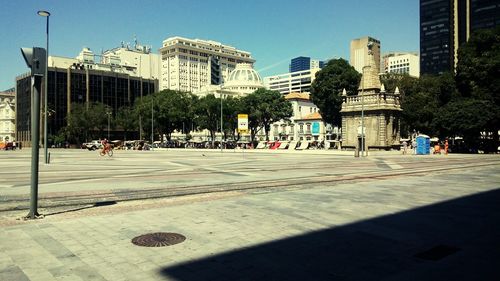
column 171, row 110
column 208, row 114
column 249, row 105
column 232, row 106
column 326, row 89
column 97, row 115
column 466, row 117
column 85, row 122
column 267, row 107
column 126, row 119
column 422, row 101
column 478, row 76
column 77, row 127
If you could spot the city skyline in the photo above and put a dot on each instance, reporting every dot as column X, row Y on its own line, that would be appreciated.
column 272, row 32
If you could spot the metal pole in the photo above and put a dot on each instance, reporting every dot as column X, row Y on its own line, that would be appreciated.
column 221, row 126
column 45, row 93
column 36, row 82
column 152, row 122
column 109, row 115
column 363, row 113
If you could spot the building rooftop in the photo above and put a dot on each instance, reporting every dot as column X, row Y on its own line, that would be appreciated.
column 298, row 96
column 312, row 116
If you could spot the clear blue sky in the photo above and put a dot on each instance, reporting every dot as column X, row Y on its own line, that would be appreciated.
column 274, row 31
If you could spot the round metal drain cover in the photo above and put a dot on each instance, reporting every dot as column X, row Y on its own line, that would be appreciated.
column 158, row 239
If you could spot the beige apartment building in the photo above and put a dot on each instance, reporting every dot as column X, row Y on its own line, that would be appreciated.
column 359, row 53
column 190, row 64
column 7, row 116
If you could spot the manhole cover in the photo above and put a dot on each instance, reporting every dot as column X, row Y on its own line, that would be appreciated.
column 158, row 239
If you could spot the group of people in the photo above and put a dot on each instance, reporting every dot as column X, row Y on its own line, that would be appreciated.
column 10, row 145
column 436, row 149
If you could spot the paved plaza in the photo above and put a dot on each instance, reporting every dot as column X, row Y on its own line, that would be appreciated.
column 252, row 215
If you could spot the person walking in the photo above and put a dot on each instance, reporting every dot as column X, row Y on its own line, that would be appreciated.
column 405, row 146
column 446, row 147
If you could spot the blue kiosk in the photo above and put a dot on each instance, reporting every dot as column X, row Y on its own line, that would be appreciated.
column 423, row 145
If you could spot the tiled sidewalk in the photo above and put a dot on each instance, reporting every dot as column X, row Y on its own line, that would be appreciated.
column 369, row 230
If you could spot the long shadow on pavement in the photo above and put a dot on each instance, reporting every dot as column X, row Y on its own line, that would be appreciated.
column 453, row 240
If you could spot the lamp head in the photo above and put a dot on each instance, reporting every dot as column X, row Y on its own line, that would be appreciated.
column 43, row 13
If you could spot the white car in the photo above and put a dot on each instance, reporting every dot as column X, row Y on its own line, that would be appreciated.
column 93, row 145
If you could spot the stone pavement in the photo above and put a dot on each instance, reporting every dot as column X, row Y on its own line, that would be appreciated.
column 442, row 226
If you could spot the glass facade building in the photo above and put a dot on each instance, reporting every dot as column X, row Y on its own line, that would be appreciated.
column 304, row 63
column 436, row 36
column 300, row 63
column 446, row 24
column 67, row 86
column 484, row 14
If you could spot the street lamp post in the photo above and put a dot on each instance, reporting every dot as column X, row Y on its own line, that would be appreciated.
column 45, row 94
column 221, row 126
column 109, row 116
column 152, row 122
column 363, row 111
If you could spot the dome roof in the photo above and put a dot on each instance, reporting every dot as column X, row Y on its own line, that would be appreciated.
column 244, row 74
column 243, row 80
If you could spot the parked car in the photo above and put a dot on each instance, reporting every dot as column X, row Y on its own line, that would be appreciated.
column 93, row 145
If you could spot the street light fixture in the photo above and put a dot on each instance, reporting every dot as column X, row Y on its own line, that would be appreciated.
column 45, row 94
column 152, row 122
column 108, row 112
column 35, row 59
column 363, row 111
column 221, row 125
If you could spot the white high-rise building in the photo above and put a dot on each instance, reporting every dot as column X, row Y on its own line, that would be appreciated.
column 135, row 60
column 138, row 58
column 190, row 64
column 292, row 82
column 402, row 63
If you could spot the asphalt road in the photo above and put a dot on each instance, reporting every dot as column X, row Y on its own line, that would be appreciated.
column 76, row 177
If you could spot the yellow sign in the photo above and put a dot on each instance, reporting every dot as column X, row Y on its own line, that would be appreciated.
column 242, row 123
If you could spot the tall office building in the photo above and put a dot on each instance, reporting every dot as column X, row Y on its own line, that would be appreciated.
column 484, row 14
column 446, row 24
column 304, row 63
column 359, row 52
column 83, row 79
column 188, row 65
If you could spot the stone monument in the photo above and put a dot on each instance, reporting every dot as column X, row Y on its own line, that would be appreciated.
column 373, row 113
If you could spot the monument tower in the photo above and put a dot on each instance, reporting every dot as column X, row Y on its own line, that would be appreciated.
column 372, row 112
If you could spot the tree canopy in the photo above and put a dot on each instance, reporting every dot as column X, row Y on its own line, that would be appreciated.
column 86, row 122
column 326, row 89
column 171, row 110
column 478, row 77
column 264, row 108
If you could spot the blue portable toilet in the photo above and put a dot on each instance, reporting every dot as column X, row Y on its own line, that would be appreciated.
column 423, row 145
